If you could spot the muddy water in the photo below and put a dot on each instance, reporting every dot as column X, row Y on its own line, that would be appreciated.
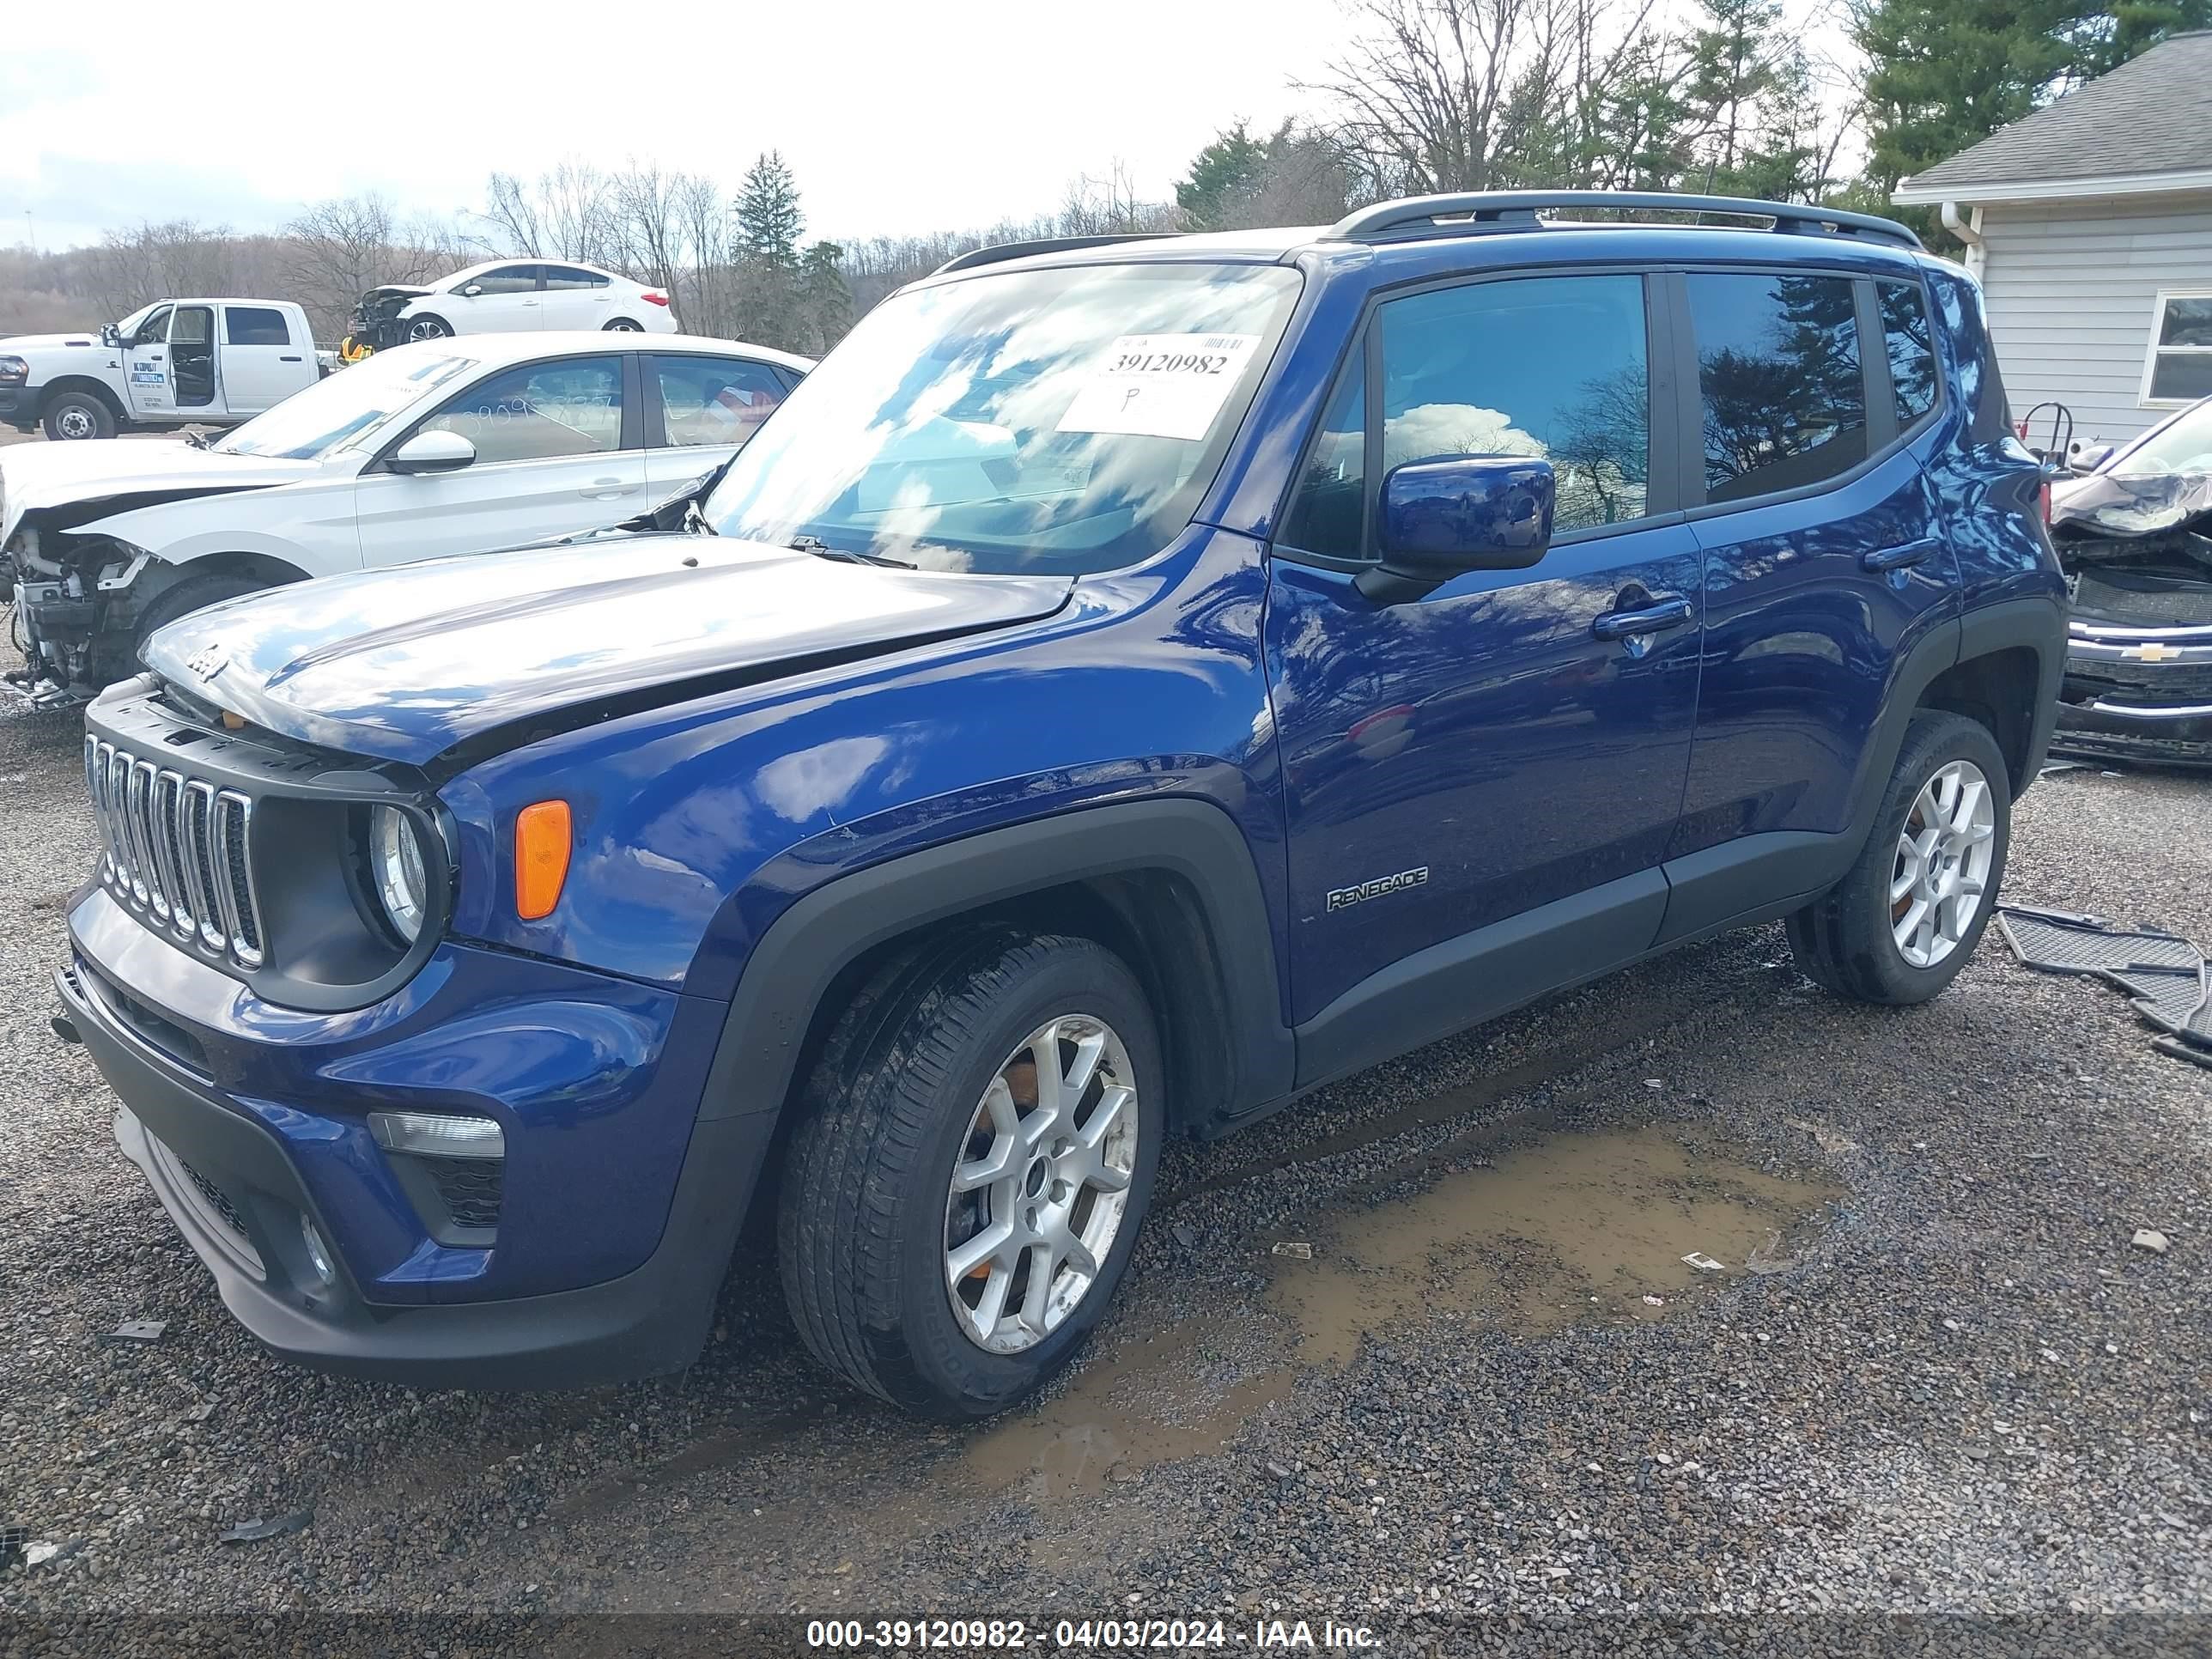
column 1570, row 1226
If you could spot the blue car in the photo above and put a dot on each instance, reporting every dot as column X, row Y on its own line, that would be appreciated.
column 1126, row 687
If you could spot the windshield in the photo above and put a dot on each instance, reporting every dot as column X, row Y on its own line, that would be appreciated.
column 343, row 407
column 2183, row 446
column 1061, row 420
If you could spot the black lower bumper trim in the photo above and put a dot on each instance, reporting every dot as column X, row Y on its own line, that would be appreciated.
column 654, row 1318
column 2166, row 740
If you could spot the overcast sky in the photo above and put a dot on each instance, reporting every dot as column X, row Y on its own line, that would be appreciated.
column 897, row 118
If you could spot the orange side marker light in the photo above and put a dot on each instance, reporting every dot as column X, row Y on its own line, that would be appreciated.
column 542, row 834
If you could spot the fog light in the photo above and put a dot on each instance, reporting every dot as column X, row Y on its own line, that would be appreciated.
column 437, row 1134
column 318, row 1254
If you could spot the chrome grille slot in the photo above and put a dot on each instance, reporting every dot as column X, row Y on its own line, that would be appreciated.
column 234, row 831
column 179, row 850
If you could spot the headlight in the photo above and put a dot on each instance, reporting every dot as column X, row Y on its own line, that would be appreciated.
column 13, row 371
column 395, row 858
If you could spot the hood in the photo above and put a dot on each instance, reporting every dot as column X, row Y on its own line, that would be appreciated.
column 405, row 664
column 71, row 484
column 395, row 290
column 2146, row 504
column 87, row 339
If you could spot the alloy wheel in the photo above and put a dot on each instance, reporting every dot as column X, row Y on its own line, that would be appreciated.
column 1940, row 876
column 1041, row 1184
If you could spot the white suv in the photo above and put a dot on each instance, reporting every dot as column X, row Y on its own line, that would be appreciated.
column 504, row 296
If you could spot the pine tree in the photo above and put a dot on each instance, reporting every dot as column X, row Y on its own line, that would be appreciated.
column 770, row 307
column 1945, row 74
column 1731, row 67
column 829, row 302
column 1224, row 178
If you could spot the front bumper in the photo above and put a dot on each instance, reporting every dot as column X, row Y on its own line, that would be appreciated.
column 2137, row 693
column 237, row 1172
column 18, row 406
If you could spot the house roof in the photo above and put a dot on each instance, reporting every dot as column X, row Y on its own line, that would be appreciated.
column 2146, row 125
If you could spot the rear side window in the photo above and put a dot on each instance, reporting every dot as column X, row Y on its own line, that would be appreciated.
column 1905, row 331
column 714, row 400
column 254, row 326
column 569, row 276
column 1783, row 390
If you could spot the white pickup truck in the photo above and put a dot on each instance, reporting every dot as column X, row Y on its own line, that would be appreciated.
column 175, row 362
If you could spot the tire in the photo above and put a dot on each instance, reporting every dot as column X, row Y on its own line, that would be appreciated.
column 69, row 416
column 1848, row 940
column 621, row 325
column 193, row 594
column 428, row 327
column 867, row 1222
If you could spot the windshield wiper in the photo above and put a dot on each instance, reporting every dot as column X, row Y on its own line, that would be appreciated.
column 821, row 550
column 197, row 439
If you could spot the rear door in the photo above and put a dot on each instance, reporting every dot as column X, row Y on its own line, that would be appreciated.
column 262, row 363
column 1497, row 748
column 1824, row 564
column 574, row 298
column 702, row 411
column 557, row 452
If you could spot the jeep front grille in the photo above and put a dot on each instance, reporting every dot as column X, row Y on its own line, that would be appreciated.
column 177, row 849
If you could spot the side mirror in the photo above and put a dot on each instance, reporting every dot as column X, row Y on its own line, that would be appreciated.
column 110, row 336
column 433, row 452
column 1440, row 519
column 2089, row 460
column 472, row 290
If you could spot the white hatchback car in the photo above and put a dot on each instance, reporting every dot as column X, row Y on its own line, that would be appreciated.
column 448, row 447
column 504, row 296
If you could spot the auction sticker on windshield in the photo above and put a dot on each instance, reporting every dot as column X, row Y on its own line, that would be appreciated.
column 1160, row 386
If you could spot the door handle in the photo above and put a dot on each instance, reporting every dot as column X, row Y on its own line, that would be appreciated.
column 607, row 490
column 1649, row 619
column 288, row 360
column 1901, row 557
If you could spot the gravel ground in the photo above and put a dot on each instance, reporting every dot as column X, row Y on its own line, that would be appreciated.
column 1954, row 1390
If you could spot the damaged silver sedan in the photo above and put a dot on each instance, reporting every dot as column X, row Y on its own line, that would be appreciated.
column 2136, row 539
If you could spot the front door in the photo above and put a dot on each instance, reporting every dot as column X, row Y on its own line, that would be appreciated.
column 508, row 298
column 146, row 366
column 1499, row 745
column 557, row 452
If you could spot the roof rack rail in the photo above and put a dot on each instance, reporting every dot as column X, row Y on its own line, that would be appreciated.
column 1458, row 215
column 992, row 256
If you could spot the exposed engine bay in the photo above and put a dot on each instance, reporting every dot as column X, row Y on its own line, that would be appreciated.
column 375, row 326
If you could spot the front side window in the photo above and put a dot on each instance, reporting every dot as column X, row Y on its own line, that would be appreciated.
column 153, row 330
column 540, row 412
column 714, row 400
column 1065, row 420
column 1778, row 369
column 254, row 326
column 1912, row 350
column 505, row 279
column 343, row 410
column 2180, row 367
column 1554, row 367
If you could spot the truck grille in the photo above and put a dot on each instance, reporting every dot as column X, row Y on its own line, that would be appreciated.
column 177, row 850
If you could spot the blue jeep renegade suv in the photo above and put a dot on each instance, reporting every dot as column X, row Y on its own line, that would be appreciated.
column 1125, row 687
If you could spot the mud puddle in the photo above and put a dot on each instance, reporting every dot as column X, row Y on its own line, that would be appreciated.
column 1562, row 1227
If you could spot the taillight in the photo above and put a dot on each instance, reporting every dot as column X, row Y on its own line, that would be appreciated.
column 652, row 298
column 2045, row 493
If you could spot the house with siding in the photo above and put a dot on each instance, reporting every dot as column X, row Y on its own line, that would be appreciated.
column 2089, row 223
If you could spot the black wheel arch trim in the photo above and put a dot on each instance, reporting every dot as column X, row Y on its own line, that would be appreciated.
column 820, row 935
